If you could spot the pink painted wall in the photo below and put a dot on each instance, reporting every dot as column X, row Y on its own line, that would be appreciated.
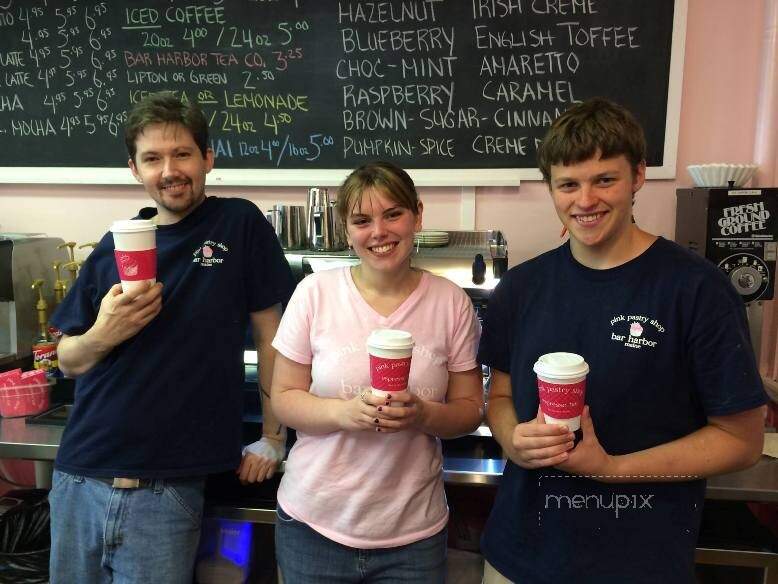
column 718, row 121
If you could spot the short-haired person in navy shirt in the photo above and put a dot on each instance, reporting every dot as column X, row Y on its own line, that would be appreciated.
column 159, row 368
column 673, row 394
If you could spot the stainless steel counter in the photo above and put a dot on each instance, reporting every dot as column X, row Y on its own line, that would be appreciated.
column 35, row 442
column 759, row 483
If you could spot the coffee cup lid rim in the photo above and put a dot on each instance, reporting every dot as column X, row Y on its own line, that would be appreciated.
column 393, row 339
column 561, row 365
column 132, row 225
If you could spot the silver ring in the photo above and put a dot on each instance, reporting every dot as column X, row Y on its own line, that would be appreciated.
column 363, row 395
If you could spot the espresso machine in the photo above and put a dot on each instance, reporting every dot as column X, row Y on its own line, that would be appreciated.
column 474, row 260
column 24, row 258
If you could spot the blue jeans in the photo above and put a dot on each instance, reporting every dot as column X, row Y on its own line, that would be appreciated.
column 307, row 557
column 100, row 534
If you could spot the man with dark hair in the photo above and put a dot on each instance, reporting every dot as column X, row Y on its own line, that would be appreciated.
column 673, row 394
column 159, row 368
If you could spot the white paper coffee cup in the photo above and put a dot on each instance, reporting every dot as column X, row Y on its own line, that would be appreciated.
column 390, row 352
column 562, row 388
column 135, row 250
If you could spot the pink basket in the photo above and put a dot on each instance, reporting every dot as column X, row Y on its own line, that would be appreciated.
column 23, row 394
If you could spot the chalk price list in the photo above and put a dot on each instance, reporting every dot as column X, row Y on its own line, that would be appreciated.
column 60, row 66
column 230, row 70
column 529, row 75
column 399, row 96
column 326, row 83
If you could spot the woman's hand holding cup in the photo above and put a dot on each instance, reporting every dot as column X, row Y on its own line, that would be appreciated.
column 401, row 410
column 365, row 412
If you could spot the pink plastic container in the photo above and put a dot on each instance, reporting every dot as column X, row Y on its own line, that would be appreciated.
column 23, row 394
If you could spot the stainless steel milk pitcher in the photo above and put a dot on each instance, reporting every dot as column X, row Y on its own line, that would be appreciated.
column 288, row 221
column 323, row 233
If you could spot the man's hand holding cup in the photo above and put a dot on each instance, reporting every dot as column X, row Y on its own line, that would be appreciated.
column 131, row 305
column 537, row 444
column 122, row 315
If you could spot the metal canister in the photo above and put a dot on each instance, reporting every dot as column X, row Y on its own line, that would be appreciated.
column 293, row 235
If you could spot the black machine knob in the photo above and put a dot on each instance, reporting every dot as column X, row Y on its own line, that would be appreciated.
column 479, row 269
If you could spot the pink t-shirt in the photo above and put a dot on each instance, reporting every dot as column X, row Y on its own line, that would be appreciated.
column 368, row 489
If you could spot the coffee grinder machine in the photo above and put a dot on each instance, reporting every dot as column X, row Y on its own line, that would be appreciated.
column 737, row 229
column 24, row 258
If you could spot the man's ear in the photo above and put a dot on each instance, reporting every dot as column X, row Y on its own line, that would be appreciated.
column 134, row 169
column 639, row 178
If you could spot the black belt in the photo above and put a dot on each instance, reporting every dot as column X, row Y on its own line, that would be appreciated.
column 123, row 483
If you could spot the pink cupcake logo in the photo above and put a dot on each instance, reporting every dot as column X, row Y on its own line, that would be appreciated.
column 210, row 253
column 129, row 267
column 635, row 329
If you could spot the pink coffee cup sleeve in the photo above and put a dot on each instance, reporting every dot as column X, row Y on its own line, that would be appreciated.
column 389, row 374
column 562, row 401
column 136, row 265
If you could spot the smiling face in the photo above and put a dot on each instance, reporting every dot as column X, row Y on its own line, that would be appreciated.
column 381, row 231
column 172, row 169
column 593, row 199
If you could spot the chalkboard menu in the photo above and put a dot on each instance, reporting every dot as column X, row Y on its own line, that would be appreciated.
column 303, row 85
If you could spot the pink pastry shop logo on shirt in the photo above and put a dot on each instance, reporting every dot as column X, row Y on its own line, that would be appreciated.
column 636, row 331
column 208, row 254
column 351, row 390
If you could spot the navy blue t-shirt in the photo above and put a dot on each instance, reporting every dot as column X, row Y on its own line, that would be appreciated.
column 168, row 402
column 666, row 339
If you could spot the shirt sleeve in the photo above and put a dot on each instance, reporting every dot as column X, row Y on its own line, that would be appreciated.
column 293, row 338
column 466, row 333
column 268, row 277
column 495, row 347
column 722, row 360
column 78, row 310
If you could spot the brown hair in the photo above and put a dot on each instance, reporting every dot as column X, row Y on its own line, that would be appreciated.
column 164, row 107
column 594, row 125
column 391, row 180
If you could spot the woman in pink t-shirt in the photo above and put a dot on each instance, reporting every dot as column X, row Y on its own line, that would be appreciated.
column 362, row 498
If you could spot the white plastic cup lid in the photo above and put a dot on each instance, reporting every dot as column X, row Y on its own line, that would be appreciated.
column 132, row 225
column 390, row 339
column 561, row 366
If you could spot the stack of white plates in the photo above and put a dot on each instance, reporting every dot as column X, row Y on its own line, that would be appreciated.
column 431, row 238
